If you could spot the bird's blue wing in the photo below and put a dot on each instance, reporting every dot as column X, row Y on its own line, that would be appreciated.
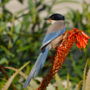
column 49, row 37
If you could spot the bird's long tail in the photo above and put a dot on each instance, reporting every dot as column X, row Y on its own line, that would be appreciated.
column 38, row 65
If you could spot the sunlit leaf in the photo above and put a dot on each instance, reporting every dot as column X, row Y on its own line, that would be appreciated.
column 8, row 83
column 59, row 82
column 87, row 85
column 84, row 75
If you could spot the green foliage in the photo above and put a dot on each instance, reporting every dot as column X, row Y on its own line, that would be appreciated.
column 20, row 39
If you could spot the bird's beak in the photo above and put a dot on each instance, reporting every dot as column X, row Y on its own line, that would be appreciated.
column 48, row 20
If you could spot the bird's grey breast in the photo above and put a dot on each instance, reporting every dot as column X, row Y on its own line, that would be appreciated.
column 54, row 28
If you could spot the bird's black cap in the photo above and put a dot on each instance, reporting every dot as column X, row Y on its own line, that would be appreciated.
column 56, row 16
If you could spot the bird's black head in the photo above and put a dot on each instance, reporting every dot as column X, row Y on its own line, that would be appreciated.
column 56, row 16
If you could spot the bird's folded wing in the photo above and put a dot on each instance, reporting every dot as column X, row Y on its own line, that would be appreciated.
column 49, row 37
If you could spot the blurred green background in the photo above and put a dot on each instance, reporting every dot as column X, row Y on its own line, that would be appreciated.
column 21, row 34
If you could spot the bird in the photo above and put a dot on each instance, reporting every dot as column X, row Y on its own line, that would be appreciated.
column 54, row 35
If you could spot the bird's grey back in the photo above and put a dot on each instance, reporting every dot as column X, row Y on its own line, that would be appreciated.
column 56, row 26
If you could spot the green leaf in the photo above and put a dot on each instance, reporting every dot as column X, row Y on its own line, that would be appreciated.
column 32, row 8
column 67, row 1
column 6, row 51
column 3, row 61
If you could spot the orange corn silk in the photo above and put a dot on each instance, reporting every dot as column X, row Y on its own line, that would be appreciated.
column 81, row 37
